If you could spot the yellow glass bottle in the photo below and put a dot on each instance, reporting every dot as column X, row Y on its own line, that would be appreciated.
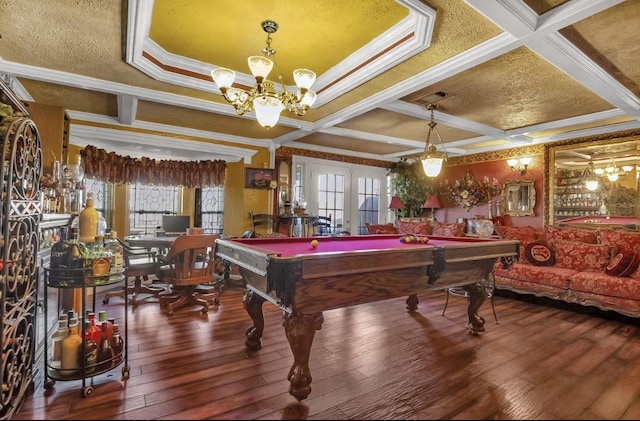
column 88, row 221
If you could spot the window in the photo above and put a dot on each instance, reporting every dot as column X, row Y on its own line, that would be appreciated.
column 368, row 202
column 148, row 203
column 331, row 198
column 210, row 209
column 100, row 192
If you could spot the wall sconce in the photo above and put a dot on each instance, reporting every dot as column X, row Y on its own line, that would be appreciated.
column 519, row 165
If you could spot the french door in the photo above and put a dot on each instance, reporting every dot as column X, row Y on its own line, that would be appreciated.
column 351, row 194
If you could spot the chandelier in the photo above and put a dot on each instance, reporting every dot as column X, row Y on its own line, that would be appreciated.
column 432, row 160
column 263, row 97
column 590, row 178
column 613, row 172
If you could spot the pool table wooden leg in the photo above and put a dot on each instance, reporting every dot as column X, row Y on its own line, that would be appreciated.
column 477, row 296
column 253, row 305
column 300, row 330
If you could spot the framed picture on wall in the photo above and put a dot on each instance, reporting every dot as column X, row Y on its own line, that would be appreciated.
column 260, row 178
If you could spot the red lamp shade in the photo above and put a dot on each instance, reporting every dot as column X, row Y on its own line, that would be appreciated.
column 432, row 202
column 396, row 203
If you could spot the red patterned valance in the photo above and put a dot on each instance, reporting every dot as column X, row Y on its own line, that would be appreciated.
column 112, row 168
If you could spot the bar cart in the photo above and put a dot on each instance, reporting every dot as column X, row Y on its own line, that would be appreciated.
column 84, row 280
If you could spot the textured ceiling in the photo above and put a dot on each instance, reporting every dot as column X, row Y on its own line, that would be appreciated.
column 504, row 73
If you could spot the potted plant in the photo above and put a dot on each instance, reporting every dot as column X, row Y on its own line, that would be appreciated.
column 411, row 185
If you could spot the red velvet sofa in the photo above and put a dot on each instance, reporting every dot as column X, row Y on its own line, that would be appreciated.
column 421, row 226
column 591, row 267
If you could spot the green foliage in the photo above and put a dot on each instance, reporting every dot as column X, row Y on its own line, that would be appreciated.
column 411, row 184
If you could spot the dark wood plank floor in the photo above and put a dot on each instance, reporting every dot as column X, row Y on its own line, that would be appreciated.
column 373, row 361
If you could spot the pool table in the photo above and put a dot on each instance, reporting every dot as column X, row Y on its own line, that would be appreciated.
column 344, row 271
column 602, row 222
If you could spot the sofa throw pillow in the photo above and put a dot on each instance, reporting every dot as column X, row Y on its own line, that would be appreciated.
column 414, row 227
column 624, row 240
column 568, row 233
column 623, row 264
column 444, row 229
column 578, row 255
column 525, row 235
column 380, row 228
column 539, row 254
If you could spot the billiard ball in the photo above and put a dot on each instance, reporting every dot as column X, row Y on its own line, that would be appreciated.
column 314, row 243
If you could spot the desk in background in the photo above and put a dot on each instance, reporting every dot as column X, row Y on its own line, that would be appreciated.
column 162, row 244
column 343, row 271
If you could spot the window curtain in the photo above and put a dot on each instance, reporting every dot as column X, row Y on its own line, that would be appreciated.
column 112, row 168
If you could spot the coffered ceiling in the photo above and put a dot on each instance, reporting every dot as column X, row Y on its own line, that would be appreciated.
column 134, row 76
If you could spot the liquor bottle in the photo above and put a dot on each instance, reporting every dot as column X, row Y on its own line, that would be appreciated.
column 117, row 252
column 90, row 357
column 96, row 330
column 56, row 342
column 102, row 320
column 88, row 221
column 58, row 251
column 117, row 344
column 71, row 347
column 105, row 352
column 99, row 256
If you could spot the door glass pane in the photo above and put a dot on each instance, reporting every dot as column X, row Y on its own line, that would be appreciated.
column 330, row 197
column 368, row 202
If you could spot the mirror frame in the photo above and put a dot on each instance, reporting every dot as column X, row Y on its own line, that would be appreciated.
column 529, row 184
column 609, row 140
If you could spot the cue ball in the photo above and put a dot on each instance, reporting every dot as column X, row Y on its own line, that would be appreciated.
column 314, row 243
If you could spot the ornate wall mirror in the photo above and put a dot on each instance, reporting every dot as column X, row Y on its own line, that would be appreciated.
column 519, row 198
column 610, row 166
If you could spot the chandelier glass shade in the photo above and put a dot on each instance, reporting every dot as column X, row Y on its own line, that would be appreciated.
column 263, row 98
column 590, row 178
column 432, row 159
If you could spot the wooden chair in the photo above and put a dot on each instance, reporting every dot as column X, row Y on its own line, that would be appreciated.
column 141, row 264
column 265, row 221
column 188, row 264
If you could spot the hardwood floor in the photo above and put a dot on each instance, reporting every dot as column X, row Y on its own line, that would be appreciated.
column 373, row 361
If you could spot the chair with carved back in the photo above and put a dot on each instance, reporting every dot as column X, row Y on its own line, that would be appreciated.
column 188, row 264
column 262, row 222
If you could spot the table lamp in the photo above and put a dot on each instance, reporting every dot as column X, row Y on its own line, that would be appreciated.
column 396, row 204
column 432, row 202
